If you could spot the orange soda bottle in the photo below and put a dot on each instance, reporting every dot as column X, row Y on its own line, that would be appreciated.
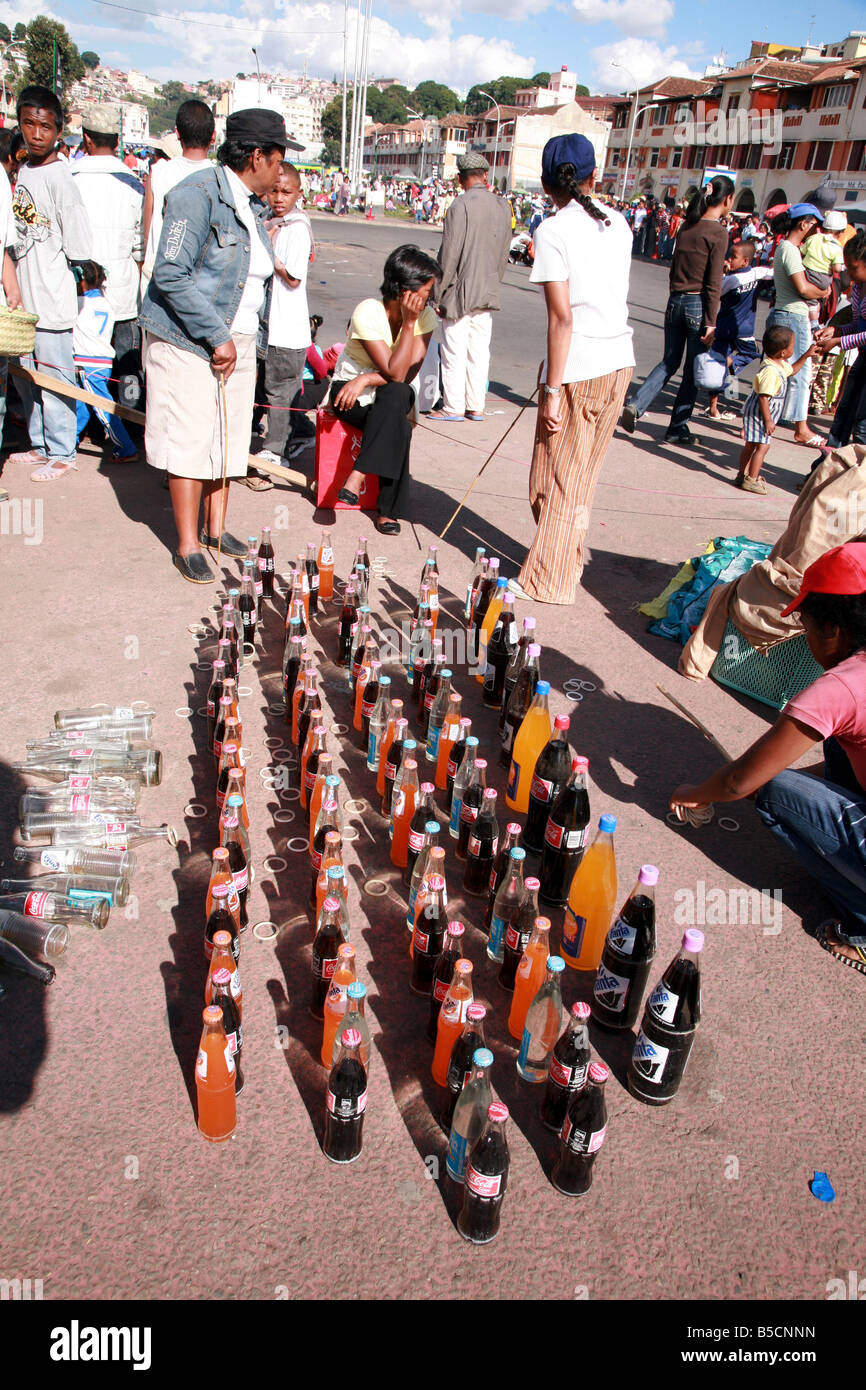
column 591, row 901
column 532, row 736
column 448, row 736
column 402, row 811
column 223, row 959
column 396, row 713
column 360, row 682
column 337, row 999
column 221, row 873
column 452, row 1017
column 323, row 772
column 215, row 1079
column 326, row 567
column 530, row 975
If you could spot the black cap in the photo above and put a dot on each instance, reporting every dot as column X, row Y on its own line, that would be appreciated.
column 257, row 126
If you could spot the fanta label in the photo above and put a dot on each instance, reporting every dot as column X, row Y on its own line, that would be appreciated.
column 483, row 1184
column 572, row 935
column 513, row 780
column 662, row 1003
column 621, row 937
column 649, row 1059
column 611, row 990
column 326, row 558
column 49, row 860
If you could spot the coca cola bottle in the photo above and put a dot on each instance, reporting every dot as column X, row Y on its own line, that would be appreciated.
column 443, row 973
column 346, row 1101
column 234, row 1029
column 311, row 770
column 348, row 619
column 234, row 602
column 518, row 934
column 369, row 700
column 230, row 839
column 470, row 1112
column 424, row 811
column 419, row 650
column 223, row 959
column 392, row 763
column 266, row 563
column 56, row 907
column 214, row 695
column 569, row 1064
column 670, row 1021
column 565, row 836
column 519, row 702
column 486, row 590
column 325, row 943
column 486, row 1180
column 248, row 606
column 431, row 679
column 294, row 653
column 515, row 666
column 224, row 712
column 428, row 936
column 628, row 953
column 481, row 847
column 363, row 639
column 455, row 759
column 329, row 819
column 312, row 567
column 472, row 582
column 221, row 919
column 460, row 1063
column 583, row 1133
column 500, row 649
column 471, row 798
column 551, row 775
column 509, row 897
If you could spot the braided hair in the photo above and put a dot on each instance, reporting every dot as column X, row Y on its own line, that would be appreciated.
column 565, row 181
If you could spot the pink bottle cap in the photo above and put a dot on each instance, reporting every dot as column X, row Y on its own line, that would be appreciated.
column 693, row 940
column 533, row 884
column 437, row 883
column 481, row 762
column 221, row 977
column 331, row 905
column 528, row 624
column 580, row 1011
column 490, row 793
column 579, row 764
column 497, row 1111
column 598, row 1072
column 534, row 649
column 561, row 721
column 649, row 875
column 351, row 1037
column 513, row 828
column 427, row 787
column 221, row 890
column 476, row 1012
column 456, row 929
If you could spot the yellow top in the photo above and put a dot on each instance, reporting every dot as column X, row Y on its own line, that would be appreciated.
column 771, row 378
column 370, row 324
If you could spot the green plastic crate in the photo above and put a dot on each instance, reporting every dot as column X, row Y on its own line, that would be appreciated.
column 773, row 678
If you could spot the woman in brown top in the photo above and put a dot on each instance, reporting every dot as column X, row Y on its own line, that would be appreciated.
column 690, row 317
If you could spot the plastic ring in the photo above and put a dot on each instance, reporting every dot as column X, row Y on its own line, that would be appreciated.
column 356, row 808
column 284, row 755
column 274, row 742
column 587, row 685
column 284, row 816
column 299, row 844
column 275, row 863
column 260, row 935
column 204, row 665
column 244, row 691
column 265, row 772
column 291, row 794
column 376, row 887
column 673, row 819
column 184, row 712
column 350, row 833
column 249, row 652
column 276, row 709
column 339, row 728
column 202, row 712
column 728, row 823
column 195, row 810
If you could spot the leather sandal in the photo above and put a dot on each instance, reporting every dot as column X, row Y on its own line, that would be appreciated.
column 230, row 546
column 194, row 567
column 386, row 526
column 350, row 498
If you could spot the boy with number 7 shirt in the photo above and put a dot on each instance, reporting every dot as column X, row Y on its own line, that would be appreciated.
column 93, row 355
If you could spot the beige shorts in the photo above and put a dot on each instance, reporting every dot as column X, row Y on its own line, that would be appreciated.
column 183, row 432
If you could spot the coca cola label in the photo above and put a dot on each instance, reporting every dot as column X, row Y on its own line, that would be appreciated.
column 569, row 1078
column 416, row 840
column 541, row 789
column 79, row 803
column 662, row 1004
column 512, row 937
column 81, row 752
column 611, row 990
column 440, row 989
column 241, row 879
column 649, row 1059
column 421, row 942
column 554, row 834
column 316, row 858
column 367, row 707
column 621, row 937
column 309, row 780
column 483, row 1184
column 80, row 784
column 35, row 904
column 452, row 768
column 346, row 1107
column 324, row 966
column 582, row 1141
column 474, row 846
column 468, row 813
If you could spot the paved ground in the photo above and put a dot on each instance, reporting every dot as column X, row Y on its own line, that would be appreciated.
column 115, row 1194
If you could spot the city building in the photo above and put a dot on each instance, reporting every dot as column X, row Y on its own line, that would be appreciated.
column 420, row 149
column 511, row 138
column 138, row 82
column 299, row 100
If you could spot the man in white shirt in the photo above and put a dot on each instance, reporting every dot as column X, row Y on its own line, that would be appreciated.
column 114, row 199
column 195, row 128
column 289, row 322
column 10, row 295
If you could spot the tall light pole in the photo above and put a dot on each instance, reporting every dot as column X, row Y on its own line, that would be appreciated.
column 418, row 117
column 259, row 72
column 345, row 75
column 638, row 111
column 365, row 67
column 355, row 84
column 496, row 141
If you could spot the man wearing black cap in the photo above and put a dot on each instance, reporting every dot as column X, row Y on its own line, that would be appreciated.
column 206, row 314
column 473, row 257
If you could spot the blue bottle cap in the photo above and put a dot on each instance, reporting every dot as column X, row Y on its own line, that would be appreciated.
column 432, row 827
column 543, row 688
column 472, row 741
column 482, row 1057
column 384, row 680
column 409, row 743
column 446, row 675
column 518, row 853
column 332, row 781
column 607, row 824
column 356, row 990
column 501, row 583
column 556, row 964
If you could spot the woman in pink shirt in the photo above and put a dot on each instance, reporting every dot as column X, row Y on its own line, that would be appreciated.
column 823, row 821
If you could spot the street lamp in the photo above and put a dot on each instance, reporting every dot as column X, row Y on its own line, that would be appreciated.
column 418, row 117
column 496, row 141
column 259, row 72
column 635, row 113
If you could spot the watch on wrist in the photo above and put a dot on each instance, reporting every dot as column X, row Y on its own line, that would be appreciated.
column 551, row 390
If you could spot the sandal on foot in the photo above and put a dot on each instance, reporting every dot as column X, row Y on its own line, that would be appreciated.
column 346, row 495
column 440, row 415
column 26, row 456
column 194, row 567
column 50, row 472
column 386, row 526
column 230, row 545
column 821, row 937
column 813, row 442
column 754, row 485
column 256, row 483
column 476, row 416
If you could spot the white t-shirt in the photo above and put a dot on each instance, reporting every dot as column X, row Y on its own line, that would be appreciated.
column 289, row 324
column 91, row 336
column 8, row 230
column 164, row 176
column 261, row 266
column 595, row 260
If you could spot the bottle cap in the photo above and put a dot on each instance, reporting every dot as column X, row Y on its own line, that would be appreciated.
column 463, row 967
column 561, row 721
column 220, row 853
column 446, row 674
column 532, row 884
column 598, row 1073
column 529, row 625
column 580, row 764
column 221, row 976
column 408, row 744
column 649, row 875
column 480, row 763
column 493, row 562
column 332, row 835
column 356, row 990
column 509, row 598
column 335, row 871
column 221, row 890
column 320, row 729
column 497, row 1111
column 556, row 964
column 465, row 722
column 482, row 1057
column 351, row 1037
column 517, row 853
column 437, row 883
column 383, row 680
column 427, row 787
column 222, row 938
column 476, row 1012
column 346, row 950
column 220, row 663
column 471, row 741
column 332, row 781
column 513, row 828
column 331, row 905
column 501, row 583
column 543, row 688
column 235, row 799
column 543, row 923
column 490, row 793
column 580, row 1011
column 693, row 939
column 212, row 1014
column 454, row 929
column 410, row 763
column 607, row 824
column 432, row 827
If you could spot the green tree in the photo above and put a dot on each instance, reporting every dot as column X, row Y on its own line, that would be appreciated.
column 90, row 59
column 330, row 152
column 381, row 107
column 434, row 99
column 42, row 34
column 332, row 117
column 581, row 91
column 5, row 33
column 502, row 89
column 541, row 79
column 20, row 32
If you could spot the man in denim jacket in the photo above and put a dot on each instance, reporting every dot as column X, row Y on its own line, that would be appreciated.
column 205, row 315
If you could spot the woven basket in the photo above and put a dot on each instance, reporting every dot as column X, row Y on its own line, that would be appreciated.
column 773, row 678
column 17, row 332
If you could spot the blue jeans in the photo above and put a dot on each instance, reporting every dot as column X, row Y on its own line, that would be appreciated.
column 824, row 824
column 796, row 406
column 51, row 420
column 95, row 379
column 683, row 322
column 849, row 422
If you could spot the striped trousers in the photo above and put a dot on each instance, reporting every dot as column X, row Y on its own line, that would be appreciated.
column 565, row 469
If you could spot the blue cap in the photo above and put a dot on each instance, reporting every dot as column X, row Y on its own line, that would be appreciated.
column 501, row 583
column 356, row 990
column 607, row 824
column 518, row 853
column 567, row 149
column 449, row 674
column 482, row 1057
column 556, row 964
column 409, row 743
column 471, row 741
column 432, row 827
column 543, row 688
column 805, row 210
column 384, row 680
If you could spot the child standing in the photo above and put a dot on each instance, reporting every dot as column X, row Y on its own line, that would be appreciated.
column 763, row 409
column 93, row 355
column 735, row 325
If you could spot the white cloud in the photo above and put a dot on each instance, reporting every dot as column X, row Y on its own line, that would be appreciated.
column 634, row 61
column 632, row 16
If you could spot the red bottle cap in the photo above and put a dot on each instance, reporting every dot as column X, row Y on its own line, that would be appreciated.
column 351, row 1037
column 331, row 905
column 222, row 976
column 533, row 884
column 476, row 1012
column 580, row 764
column 561, row 721
column 497, row 1111
column 580, row 1011
column 598, row 1072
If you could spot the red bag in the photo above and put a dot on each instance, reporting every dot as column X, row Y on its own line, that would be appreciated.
column 337, row 449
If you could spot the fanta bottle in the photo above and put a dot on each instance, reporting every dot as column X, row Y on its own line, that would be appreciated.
column 402, row 811
column 530, row 975
column 337, row 999
column 532, row 736
column 591, row 901
column 452, row 1017
column 215, row 1079
column 332, row 857
column 490, row 617
column 448, row 736
column 221, row 873
column 326, row 567
column 223, row 959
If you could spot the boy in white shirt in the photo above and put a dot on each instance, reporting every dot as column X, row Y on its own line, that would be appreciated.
column 93, row 356
column 289, row 322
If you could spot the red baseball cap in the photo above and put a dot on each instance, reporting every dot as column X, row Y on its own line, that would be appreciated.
column 841, row 571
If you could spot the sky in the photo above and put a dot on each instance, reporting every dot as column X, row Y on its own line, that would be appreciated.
column 613, row 45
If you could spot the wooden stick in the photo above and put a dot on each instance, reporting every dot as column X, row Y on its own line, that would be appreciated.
column 278, row 470
column 76, row 393
column 462, row 502
column 697, row 723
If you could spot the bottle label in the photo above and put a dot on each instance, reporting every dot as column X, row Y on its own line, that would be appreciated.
column 79, row 803
column 309, row 780
column 337, row 994
column 483, row 1184
column 201, row 1065
column 541, row 789
column 373, row 752
column 398, row 805
column 497, row 930
column 611, row 990
column 475, row 844
column 314, row 582
column 662, row 1004
column 233, row 1043
column 235, row 984
column 347, row 1107
column 434, row 601
column 572, row 936
column 456, row 814
column 80, row 784
column 569, row 1078
column 240, row 879
column 649, row 1059
column 367, row 707
column 576, row 839
column 468, row 813
column 507, row 734
column 324, row 966
column 512, row 937
column 433, row 736
column 513, row 780
column 452, row 768
column 440, row 989
column 90, row 895
column 491, row 882
column 326, row 557
column 523, row 1054
column 582, row 1141
column 316, row 858
column 81, row 753
column 429, row 697
column 416, row 840
column 420, row 941
column 35, row 904
column 621, row 938
column 116, row 835
column 49, row 860
column 454, row 1010
column 456, row 1159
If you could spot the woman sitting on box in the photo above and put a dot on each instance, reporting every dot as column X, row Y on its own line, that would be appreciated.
column 371, row 389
